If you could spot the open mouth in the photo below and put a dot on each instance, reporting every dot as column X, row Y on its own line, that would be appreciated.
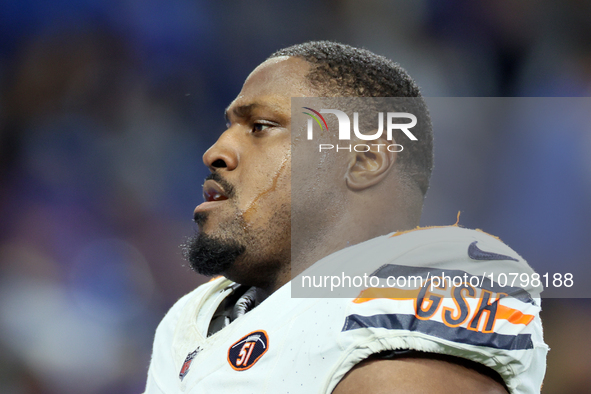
column 212, row 191
column 213, row 194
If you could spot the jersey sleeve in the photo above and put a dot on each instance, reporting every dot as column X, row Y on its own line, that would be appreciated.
column 464, row 305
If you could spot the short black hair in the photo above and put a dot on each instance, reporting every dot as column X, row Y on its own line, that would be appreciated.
column 343, row 70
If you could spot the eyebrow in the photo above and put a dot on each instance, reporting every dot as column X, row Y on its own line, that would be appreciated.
column 242, row 111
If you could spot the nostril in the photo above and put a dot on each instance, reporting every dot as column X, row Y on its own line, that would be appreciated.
column 219, row 163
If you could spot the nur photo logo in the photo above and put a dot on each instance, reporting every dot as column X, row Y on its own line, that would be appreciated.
column 344, row 132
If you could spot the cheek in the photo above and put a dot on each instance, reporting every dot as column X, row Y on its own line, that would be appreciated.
column 268, row 189
column 314, row 173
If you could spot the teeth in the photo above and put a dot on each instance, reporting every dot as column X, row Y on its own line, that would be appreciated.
column 212, row 194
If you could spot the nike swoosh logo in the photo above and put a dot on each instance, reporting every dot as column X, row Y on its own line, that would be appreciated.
column 475, row 253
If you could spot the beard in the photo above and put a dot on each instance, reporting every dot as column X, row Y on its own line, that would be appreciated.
column 241, row 253
column 211, row 256
column 246, row 254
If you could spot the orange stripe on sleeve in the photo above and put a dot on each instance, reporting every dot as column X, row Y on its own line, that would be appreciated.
column 513, row 315
column 391, row 293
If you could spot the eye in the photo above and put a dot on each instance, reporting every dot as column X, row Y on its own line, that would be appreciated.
column 257, row 127
column 262, row 125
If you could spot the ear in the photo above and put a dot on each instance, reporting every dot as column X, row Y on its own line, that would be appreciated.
column 370, row 167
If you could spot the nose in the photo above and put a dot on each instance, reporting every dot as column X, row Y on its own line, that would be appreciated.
column 223, row 154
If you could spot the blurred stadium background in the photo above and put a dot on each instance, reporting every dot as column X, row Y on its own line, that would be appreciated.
column 107, row 106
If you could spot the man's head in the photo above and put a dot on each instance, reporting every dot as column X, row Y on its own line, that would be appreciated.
column 339, row 70
column 245, row 223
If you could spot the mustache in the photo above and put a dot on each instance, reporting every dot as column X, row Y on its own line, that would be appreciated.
column 229, row 190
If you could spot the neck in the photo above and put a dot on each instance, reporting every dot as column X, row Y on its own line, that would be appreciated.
column 351, row 227
column 283, row 276
column 310, row 248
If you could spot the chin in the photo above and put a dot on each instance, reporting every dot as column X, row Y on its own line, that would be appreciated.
column 210, row 255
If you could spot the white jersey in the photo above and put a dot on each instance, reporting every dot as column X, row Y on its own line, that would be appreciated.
column 306, row 345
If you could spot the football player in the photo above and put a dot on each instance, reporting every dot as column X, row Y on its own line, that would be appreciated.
column 356, row 210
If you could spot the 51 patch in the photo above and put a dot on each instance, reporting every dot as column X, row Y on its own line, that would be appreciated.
column 245, row 352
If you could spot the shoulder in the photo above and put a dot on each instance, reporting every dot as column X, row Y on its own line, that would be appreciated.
column 454, row 256
column 432, row 247
column 448, row 291
column 190, row 300
column 176, row 330
column 453, row 243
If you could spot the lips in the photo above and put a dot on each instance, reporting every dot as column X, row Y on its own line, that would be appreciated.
column 213, row 191
column 214, row 195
